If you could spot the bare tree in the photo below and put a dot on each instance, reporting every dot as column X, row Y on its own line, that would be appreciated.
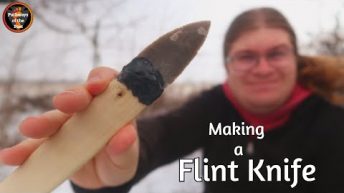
column 331, row 42
column 75, row 13
column 7, row 109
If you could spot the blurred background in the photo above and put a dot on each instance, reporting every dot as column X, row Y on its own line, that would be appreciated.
column 70, row 37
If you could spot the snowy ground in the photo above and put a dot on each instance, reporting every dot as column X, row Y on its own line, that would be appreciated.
column 163, row 180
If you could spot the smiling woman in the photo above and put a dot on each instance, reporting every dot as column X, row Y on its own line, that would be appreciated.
column 260, row 51
column 262, row 72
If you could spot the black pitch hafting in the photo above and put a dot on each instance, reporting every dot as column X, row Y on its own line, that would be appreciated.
column 142, row 79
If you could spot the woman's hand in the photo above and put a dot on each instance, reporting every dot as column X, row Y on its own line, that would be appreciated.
column 114, row 165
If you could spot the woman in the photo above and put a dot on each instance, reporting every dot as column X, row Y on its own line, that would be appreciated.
column 265, row 86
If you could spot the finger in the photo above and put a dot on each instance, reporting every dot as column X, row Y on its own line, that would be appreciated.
column 72, row 100
column 17, row 154
column 120, row 157
column 106, row 171
column 98, row 79
column 44, row 125
column 87, row 176
column 122, row 141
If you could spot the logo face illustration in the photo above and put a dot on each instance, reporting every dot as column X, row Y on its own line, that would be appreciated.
column 17, row 17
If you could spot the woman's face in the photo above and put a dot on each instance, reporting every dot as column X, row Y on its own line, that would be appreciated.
column 262, row 69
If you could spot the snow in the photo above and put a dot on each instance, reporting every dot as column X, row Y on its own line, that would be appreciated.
column 157, row 182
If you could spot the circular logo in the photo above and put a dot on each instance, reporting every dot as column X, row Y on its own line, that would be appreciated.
column 17, row 17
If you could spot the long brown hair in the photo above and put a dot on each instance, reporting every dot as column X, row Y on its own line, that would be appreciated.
column 323, row 75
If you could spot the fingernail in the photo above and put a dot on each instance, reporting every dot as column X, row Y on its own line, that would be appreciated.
column 31, row 118
column 94, row 79
column 68, row 92
column 65, row 93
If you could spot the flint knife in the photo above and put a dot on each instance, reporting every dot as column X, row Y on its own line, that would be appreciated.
column 139, row 83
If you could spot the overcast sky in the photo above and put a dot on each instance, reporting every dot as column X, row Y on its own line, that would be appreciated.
column 67, row 57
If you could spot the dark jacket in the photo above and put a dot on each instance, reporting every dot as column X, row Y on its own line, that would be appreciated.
column 314, row 132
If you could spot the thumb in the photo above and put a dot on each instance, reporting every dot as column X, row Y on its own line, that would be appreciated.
column 118, row 162
column 122, row 141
